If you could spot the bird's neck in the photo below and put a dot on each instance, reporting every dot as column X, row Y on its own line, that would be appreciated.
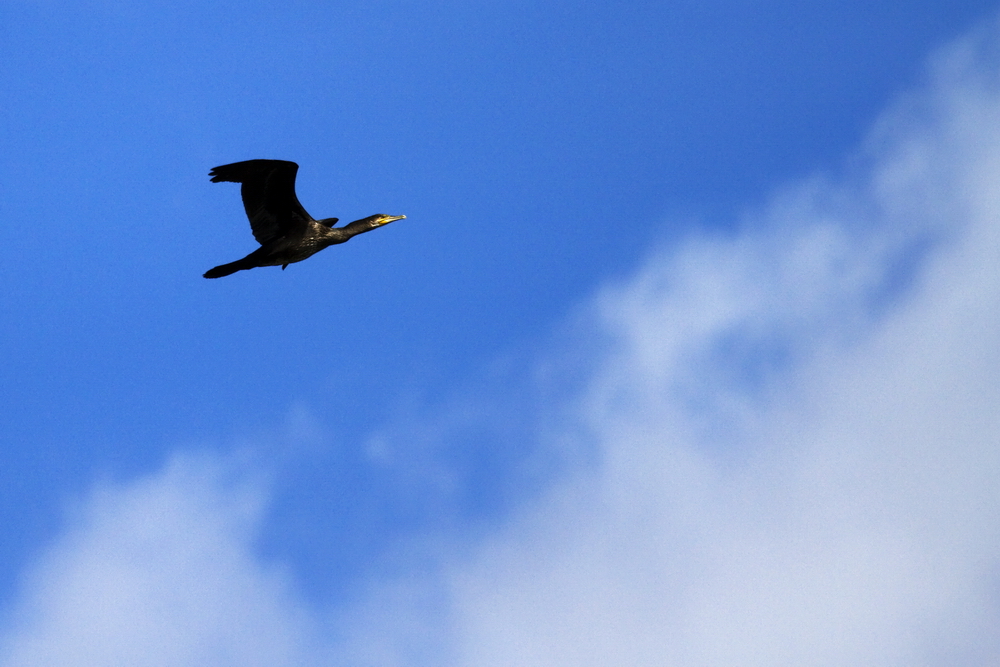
column 358, row 227
column 334, row 235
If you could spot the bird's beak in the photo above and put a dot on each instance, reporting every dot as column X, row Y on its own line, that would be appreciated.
column 390, row 218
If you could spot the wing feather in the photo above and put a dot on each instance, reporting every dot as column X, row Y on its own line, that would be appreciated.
column 268, row 191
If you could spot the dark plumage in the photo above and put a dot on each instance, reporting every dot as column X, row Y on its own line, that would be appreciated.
column 286, row 233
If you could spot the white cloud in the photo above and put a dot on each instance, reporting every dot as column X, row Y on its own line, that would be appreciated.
column 793, row 471
column 160, row 572
column 796, row 428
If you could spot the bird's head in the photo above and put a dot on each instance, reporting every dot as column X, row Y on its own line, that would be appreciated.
column 380, row 219
column 367, row 224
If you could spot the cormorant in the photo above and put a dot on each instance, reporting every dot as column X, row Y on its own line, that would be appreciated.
column 285, row 231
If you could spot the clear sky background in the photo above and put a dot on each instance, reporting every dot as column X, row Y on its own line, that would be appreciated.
column 686, row 353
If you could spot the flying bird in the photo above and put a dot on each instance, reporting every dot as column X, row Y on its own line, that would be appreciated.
column 286, row 233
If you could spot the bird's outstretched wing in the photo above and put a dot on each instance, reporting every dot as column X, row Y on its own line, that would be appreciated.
column 268, row 196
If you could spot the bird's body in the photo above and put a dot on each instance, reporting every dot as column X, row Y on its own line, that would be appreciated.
column 285, row 231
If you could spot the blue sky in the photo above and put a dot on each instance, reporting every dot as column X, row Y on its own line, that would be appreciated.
column 691, row 321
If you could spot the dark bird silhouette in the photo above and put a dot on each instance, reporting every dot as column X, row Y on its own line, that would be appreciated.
column 286, row 233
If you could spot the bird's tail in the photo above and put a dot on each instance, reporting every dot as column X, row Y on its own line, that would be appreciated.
column 227, row 269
